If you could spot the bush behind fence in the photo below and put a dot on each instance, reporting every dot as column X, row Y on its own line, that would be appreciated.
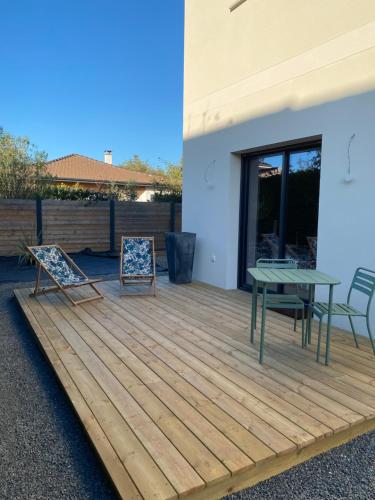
column 76, row 225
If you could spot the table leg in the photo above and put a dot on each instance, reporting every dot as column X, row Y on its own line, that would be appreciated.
column 253, row 323
column 309, row 317
column 261, row 347
column 329, row 320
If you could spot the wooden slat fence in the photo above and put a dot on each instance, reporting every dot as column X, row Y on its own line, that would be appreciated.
column 142, row 219
column 17, row 224
column 77, row 225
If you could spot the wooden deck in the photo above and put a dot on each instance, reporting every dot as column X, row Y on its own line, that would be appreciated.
column 174, row 400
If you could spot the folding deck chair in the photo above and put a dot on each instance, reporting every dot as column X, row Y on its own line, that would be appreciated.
column 62, row 270
column 137, row 261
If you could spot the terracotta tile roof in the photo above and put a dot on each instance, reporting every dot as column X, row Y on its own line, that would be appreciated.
column 77, row 167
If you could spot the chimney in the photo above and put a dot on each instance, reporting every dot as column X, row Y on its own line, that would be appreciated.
column 108, row 156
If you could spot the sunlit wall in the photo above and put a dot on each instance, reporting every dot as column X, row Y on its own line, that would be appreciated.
column 271, row 72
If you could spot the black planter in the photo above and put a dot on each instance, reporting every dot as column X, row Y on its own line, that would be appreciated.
column 180, row 255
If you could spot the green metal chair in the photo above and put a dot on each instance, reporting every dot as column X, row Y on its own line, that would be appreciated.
column 283, row 300
column 363, row 282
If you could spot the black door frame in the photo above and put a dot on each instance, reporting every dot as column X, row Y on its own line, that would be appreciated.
column 286, row 150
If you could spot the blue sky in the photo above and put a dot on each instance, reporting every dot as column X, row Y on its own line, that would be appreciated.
column 81, row 76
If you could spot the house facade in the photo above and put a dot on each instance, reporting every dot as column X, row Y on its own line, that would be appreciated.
column 88, row 173
column 279, row 112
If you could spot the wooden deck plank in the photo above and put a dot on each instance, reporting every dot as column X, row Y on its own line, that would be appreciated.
column 265, row 385
column 175, row 468
column 237, row 300
column 250, row 421
column 163, row 404
column 169, row 388
column 347, row 385
column 241, row 351
column 243, row 439
column 109, row 457
column 353, row 388
column 281, row 322
column 193, row 345
column 130, row 450
column 265, row 431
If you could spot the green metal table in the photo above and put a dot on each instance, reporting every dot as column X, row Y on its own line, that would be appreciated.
column 309, row 277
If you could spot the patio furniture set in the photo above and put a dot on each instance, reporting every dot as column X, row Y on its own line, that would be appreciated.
column 284, row 272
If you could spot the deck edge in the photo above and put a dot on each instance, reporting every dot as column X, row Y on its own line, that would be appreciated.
column 283, row 463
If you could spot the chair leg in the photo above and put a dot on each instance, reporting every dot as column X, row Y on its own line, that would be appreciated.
column 262, row 330
column 319, row 339
column 309, row 316
column 353, row 331
column 370, row 333
column 256, row 310
column 73, row 302
column 295, row 320
column 37, row 283
column 95, row 288
column 253, row 319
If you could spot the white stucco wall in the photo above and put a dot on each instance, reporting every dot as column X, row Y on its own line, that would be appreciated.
column 273, row 72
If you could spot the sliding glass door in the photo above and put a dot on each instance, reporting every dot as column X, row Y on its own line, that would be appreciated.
column 279, row 207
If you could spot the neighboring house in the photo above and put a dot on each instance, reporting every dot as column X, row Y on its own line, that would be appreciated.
column 94, row 174
column 290, row 86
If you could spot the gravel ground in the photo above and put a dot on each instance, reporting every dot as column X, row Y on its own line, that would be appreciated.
column 346, row 472
column 45, row 454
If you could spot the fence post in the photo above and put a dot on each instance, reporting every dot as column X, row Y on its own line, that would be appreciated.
column 112, row 225
column 172, row 216
column 39, row 221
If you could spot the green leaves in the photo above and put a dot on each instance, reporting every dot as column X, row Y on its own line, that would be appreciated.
column 136, row 164
column 22, row 167
column 170, row 188
column 168, row 181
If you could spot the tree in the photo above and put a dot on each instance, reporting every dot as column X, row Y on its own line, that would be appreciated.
column 136, row 164
column 23, row 171
column 174, row 176
column 170, row 186
column 127, row 192
column 168, row 180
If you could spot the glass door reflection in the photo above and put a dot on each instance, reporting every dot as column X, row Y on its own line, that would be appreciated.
column 302, row 207
column 263, row 217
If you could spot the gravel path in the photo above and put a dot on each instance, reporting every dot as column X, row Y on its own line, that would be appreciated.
column 45, row 454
